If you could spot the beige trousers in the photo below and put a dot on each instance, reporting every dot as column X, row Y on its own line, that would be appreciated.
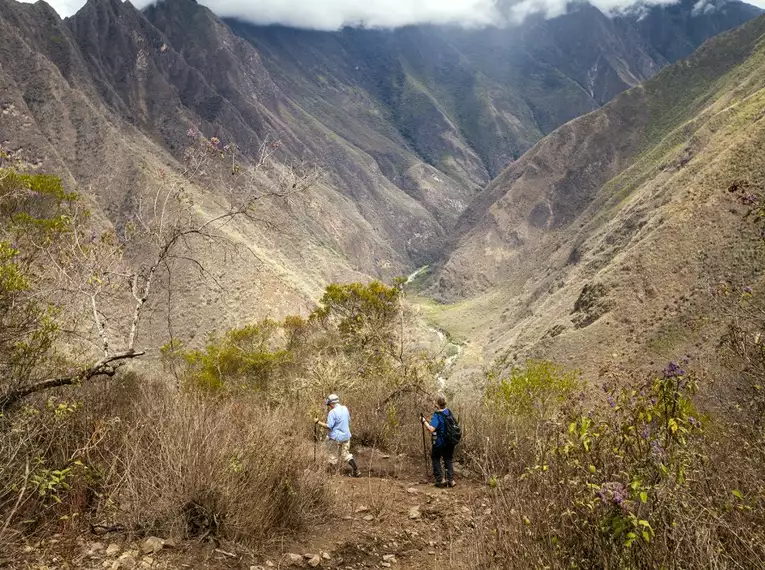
column 338, row 449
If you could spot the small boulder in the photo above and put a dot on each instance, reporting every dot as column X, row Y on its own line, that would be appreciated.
column 152, row 545
column 414, row 513
column 314, row 561
column 369, row 518
column 389, row 558
column 361, row 509
column 292, row 559
column 325, row 555
column 411, row 491
column 112, row 550
column 126, row 561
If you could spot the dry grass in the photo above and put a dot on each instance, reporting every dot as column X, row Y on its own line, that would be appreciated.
column 169, row 464
column 569, row 497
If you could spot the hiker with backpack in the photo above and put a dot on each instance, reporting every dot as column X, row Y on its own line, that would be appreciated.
column 446, row 434
column 338, row 441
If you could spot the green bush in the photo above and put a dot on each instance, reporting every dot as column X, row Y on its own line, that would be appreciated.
column 250, row 357
column 535, row 390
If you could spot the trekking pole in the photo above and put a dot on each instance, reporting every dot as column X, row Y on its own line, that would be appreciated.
column 424, row 448
column 315, row 439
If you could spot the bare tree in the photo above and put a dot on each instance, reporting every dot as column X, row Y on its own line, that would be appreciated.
column 112, row 275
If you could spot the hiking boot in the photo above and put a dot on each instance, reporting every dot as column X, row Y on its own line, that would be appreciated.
column 451, row 484
column 355, row 472
column 440, row 484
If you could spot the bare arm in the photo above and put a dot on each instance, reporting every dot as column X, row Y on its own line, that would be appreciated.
column 322, row 424
column 427, row 425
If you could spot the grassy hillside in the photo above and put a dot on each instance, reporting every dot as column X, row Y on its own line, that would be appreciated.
column 603, row 242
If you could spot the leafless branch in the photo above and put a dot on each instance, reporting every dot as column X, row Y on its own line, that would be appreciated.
column 104, row 367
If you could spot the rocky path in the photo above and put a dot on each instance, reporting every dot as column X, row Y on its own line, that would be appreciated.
column 390, row 518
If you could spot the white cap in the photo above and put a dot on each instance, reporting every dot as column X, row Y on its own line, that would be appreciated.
column 332, row 399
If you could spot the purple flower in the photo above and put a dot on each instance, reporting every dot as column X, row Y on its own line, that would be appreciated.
column 611, row 402
column 749, row 199
column 694, row 422
column 748, row 290
column 645, row 433
column 614, row 493
column 656, row 449
column 673, row 370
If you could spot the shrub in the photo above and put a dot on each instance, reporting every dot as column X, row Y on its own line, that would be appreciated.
column 520, row 405
column 196, row 467
column 158, row 463
column 250, row 357
column 639, row 482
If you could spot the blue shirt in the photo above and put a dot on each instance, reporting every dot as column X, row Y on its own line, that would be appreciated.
column 438, row 422
column 339, row 422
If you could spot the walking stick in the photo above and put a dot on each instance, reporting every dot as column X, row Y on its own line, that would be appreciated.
column 424, row 448
column 315, row 440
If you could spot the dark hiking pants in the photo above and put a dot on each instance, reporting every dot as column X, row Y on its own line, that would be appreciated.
column 446, row 453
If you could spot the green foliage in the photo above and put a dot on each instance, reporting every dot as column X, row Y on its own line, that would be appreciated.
column 536, row 389
column 354, row 320
column 35, row 219
column 362, row 313
column 620, row 484
column 248, row 357
column 617, row 464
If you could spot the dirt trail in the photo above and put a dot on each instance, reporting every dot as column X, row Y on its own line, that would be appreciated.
column 392, row 517
column 394, row 510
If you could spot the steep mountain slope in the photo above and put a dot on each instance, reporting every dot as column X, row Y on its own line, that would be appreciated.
column 676, row 30
column 603, row 241
column 107, row 88
column 405, row 125
column 470, row 101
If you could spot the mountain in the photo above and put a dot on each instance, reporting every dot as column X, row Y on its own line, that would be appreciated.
column 406, row 126
column 470, row 101
column 676, row 30
column 602, row 244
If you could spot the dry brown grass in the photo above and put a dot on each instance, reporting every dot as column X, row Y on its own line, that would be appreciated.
column 183, row 465
column 555, row 498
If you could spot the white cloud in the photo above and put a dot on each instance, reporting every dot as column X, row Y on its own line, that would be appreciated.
column 334, row 14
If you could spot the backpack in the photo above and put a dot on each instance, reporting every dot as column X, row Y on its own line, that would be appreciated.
column 452, row 431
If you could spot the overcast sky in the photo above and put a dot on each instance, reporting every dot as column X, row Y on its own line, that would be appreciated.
column 333, row 14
